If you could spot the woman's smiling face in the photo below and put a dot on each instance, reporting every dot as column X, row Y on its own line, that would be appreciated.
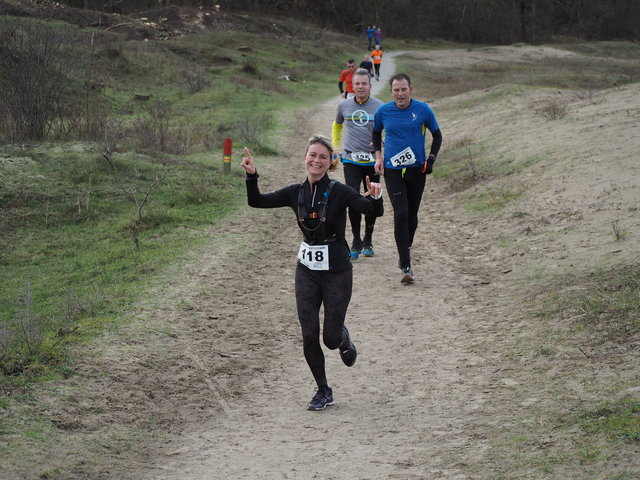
column 317, row 160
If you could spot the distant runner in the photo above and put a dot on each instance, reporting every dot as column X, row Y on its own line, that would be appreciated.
column 324, row 272
column 367, row 64
column 356, row 115
column 345, row 77
column 377, row 36
column 376, row 56
column 370, row 31
column 405, row 163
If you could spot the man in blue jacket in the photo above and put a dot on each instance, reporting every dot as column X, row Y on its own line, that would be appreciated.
column 405, row 163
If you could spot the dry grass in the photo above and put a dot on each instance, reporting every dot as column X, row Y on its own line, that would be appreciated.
column 553, row 109
column 582, row 73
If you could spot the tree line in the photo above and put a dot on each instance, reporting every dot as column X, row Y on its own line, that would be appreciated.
column 472, row 21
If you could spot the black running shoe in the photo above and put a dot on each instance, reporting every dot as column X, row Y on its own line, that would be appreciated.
column 356, row 245
column 348, row 354
column 322, row 399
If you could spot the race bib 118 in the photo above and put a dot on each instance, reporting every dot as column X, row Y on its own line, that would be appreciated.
column 314, row 257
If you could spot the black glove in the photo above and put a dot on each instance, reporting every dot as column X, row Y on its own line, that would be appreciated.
column 428, row 166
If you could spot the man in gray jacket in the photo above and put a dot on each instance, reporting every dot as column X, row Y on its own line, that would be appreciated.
column 354, row 118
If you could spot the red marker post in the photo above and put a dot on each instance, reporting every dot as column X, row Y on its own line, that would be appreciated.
column 226, row 159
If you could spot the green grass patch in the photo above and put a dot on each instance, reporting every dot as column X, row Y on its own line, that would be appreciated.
column 606, row 304
column 491, row 199
column 74, row 253
column 618, row 420
column 469, row 162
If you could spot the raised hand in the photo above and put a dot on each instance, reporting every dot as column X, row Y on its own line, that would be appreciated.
column 373, row 189
column 247, row 162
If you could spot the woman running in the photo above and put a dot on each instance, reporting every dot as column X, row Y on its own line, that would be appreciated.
column 324, row 270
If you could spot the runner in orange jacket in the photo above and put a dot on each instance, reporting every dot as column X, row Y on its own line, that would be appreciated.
column 345, row 77
column 376, row 55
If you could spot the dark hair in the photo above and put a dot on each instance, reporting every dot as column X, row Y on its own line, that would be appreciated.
column 351, row 60
column 400, row 76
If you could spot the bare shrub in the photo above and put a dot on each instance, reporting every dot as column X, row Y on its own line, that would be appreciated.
column 159, row 116
column 145, row 134
column 139, row 194
column 181, row 141
column 208, row 138
column 32, row 78
column 196, row 81
column 83, row 201
column 618, row 233
column 89, row 121
column 154, row 132
column 251, row 132
column 28, row 323
column 469, row 173
column 553, row 110
column 49, row 83
column 112, row 136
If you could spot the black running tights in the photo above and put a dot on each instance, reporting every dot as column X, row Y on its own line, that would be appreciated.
column 405, row 192
column 313, row 289
column 354, row 176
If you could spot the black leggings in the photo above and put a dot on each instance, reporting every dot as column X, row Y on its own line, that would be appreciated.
column 405, row 193
column 354, row 176
column 333, row 290
column 376, row 67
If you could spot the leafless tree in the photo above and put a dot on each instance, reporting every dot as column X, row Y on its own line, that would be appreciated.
column 32, row 79
column 139, row 194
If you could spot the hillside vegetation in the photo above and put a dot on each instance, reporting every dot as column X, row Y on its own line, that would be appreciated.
column 116, row 178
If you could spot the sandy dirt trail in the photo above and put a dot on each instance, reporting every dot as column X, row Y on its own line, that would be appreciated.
column 397, row 413
column 449, row 367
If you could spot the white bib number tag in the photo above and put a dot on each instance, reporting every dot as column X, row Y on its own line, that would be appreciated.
column 314, row 257
column 404, row 158
column 363, row 157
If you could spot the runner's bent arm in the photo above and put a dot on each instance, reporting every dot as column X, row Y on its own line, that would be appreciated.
column 336, row 134
column 285, row 197
column 437, row 142
column 336, row 128
column 363, row 205
column 343, row 78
